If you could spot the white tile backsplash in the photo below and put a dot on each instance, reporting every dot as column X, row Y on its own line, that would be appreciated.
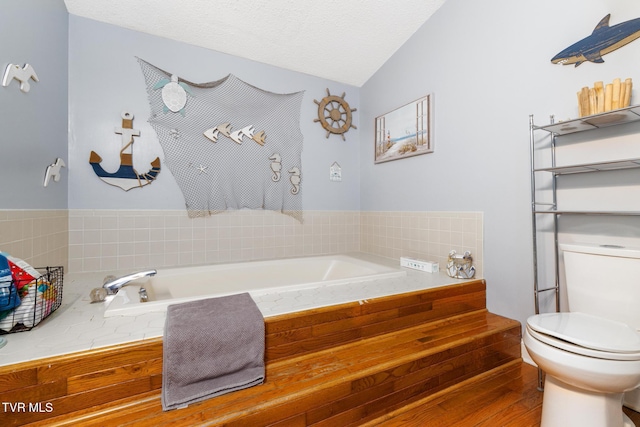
column 123, row 240
column 40, row 237
column 161, row 238
column 423, row 235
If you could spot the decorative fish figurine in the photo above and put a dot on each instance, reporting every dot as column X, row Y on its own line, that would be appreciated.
column 259, row 137
column 224, row 129
column 235, row 136
column 212, row 134
column 239, row 134
column 603, row 40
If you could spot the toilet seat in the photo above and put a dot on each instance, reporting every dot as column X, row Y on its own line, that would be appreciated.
column 586, row 335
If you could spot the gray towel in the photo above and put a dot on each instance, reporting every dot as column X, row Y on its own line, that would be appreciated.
column 211, row 347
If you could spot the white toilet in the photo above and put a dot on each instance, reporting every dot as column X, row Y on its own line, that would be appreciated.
column 591, row 355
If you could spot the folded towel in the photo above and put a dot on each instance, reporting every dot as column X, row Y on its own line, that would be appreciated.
column 211, row 347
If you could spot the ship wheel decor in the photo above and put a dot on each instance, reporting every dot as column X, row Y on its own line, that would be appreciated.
column 334, row 114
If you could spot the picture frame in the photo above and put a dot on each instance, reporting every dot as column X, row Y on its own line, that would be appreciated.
column 405, row 132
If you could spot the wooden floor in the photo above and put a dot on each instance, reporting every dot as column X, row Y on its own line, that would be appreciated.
column 635, row 416
column 505, row 397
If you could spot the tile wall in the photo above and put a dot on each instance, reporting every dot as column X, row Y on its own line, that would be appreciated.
column 423, row 235
column 122, row 240
column 125, row 240
column 40, row 237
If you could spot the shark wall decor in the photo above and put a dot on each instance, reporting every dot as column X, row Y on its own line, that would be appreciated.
column 604, row 39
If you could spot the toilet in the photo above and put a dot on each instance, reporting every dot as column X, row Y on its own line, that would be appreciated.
column 591, row 354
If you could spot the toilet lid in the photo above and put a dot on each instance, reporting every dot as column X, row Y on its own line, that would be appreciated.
column 587, row 331
column 583, row 351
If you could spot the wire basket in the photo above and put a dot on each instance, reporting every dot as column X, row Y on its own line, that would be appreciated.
column 23, row 307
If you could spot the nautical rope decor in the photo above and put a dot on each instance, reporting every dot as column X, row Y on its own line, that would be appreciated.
column 229, row 145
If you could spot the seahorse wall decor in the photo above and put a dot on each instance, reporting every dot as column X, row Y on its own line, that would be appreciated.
column 126, row 177
column 276, row 167
column 295, row 180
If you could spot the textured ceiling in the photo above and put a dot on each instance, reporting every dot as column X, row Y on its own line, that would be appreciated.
column 344, row 41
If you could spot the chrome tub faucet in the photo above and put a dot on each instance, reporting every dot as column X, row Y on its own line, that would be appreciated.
column 113, row 285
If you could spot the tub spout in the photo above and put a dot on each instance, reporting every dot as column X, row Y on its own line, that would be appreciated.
column 112, row 286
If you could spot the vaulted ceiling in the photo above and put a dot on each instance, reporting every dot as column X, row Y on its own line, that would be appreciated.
column 344, row 41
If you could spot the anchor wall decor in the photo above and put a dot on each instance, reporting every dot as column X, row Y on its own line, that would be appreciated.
column 126, row 177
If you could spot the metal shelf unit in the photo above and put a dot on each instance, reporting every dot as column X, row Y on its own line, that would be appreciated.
column 596, row 121
column 539, row 208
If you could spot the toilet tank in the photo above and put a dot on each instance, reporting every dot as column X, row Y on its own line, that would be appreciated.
column 603, row 280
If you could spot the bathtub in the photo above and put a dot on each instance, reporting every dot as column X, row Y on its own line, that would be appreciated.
column 178, row 285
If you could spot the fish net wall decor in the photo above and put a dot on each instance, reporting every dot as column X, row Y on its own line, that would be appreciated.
column 228, row 144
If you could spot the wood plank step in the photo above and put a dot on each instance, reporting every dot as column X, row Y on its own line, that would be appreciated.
column 79, row 381
column 342, row 385
column 504, row 396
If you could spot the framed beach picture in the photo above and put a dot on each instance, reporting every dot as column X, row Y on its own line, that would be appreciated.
column 405, row 132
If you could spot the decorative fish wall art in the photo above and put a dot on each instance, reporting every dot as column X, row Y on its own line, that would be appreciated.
column 218, row 151
column 603, row 40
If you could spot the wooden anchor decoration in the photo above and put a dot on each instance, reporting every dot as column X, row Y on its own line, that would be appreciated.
column 126, row 177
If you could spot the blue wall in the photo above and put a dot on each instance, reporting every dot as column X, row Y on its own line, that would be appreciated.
column 33, row 124
column 488, row 65
column 105, row 79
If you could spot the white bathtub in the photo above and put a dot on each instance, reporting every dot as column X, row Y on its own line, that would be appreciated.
column 177, row 285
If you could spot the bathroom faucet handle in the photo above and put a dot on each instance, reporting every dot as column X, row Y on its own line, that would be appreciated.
column 144, row 297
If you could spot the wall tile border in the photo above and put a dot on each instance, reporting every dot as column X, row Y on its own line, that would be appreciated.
column 117, row 241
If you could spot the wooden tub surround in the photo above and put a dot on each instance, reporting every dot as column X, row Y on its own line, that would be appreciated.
column 348, row 364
